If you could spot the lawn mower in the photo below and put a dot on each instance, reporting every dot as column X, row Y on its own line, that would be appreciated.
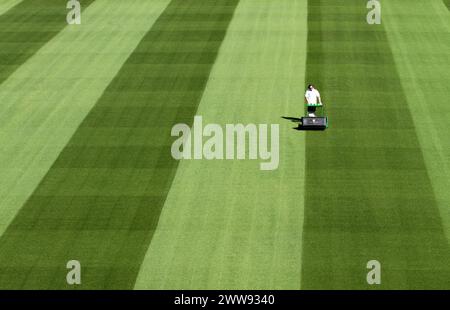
column 315, row 119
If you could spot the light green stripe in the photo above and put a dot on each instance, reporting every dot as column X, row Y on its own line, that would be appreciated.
column 44, row 101
column 419, row 35
column 226, row 224
column 5, row 5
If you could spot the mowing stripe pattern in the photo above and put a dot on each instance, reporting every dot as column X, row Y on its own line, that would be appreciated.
column 447, row 3
column 45, row 100
column 226, row 224
column 100, row 202
column 6, row 5
column 422, row 63
column 368, row 193
column 26, row 27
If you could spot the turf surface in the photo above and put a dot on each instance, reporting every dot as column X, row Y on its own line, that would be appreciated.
column 100, row 201
column 91, row 124
column 368, row 193
column 421, row 60
column 226, row 224
column 26, row 27
column 44, row 100
column 5, row 5
column 447, row 3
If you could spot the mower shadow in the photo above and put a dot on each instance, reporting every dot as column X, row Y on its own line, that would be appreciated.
column 293, row 119
column 300, row 125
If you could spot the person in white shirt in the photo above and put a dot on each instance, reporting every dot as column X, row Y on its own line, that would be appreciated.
column 312, row 96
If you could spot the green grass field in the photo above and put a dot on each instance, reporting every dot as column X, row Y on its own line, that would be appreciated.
column 447, row 3
column 86, row 113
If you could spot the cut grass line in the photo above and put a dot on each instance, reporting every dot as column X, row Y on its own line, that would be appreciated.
column 28, row 26
column 100, row 201
column 44, row 101
column 447, row 3
column 226, row 224
column 6, row 5
column 366, row 203
column 418, row 58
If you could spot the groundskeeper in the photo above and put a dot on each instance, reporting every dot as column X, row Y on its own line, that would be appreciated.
column 312, row 96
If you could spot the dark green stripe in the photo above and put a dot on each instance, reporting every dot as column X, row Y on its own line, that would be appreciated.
column 26, row 27
column 101, row 200
column 368, row 194
column 447, row 3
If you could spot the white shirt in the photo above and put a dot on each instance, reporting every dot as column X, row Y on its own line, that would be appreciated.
column 312, row 95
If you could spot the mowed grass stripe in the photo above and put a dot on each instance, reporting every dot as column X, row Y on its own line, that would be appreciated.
column 225, row 223
column 447, row 3
column 26, row 27
column 368, row 193
column 101, row 200
column 422, row 62
column 44, row 101
column 8, row 4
